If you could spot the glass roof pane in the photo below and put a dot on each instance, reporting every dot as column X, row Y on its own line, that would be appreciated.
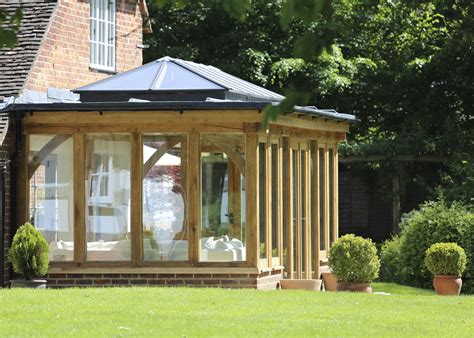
column 140, row 78
column 173, row 76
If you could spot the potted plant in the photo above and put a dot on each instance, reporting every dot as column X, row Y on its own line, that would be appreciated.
column 29, row 256
column 446, row 261
column 355, row 263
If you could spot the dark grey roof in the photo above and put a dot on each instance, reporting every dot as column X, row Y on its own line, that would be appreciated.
column 15, row 63
column 170, row 105
column 167, row 78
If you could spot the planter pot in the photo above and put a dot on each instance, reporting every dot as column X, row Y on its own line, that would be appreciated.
column 32, row 284
column 330, row 281
column 301, row 284
column 447, row 285
column 354, row 287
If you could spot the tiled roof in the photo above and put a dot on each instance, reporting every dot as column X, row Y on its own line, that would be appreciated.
column 15, row 63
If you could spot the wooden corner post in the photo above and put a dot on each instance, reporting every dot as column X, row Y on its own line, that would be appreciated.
column 251, row 198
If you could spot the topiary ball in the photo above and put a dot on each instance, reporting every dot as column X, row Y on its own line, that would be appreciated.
column 29, row 252
column 446, row 259
column 354, row 259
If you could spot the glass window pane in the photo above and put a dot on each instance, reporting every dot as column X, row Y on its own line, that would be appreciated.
column 294, row 186
column 164, row 204
column 51, row 193
column 331, row 195
column 322, row 198
column 286, row 197
column 275, row 206
column 313, row 212
column 303, row 209
column 108, row 197
column 262, row 187
column 222, row 192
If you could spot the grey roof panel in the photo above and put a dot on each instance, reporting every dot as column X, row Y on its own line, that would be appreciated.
column 174, row 77
column 169, row 74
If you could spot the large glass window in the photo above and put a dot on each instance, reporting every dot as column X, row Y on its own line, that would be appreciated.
column 108, row 197
column 222, row 192
column 322, row 199
column 164, row 197
column 303, row 232
column 102, row 34
column 331, row 195
column 50, row 171
column 262, row 187
column 275, row 201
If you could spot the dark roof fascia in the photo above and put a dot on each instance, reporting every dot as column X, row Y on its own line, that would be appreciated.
column 132, row 106
column 167, row 105
column 148, row 91
column 326, row 114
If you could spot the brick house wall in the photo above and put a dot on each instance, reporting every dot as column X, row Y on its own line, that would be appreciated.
column 5, row 155
column 63, row 58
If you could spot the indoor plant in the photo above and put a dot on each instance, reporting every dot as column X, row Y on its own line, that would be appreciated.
column 29, row 256
column 355, row 263
column 447, row 261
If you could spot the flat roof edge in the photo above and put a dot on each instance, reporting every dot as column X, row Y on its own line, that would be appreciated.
column 170, row 105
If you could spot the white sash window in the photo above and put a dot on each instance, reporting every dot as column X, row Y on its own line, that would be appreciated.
column 102, row 34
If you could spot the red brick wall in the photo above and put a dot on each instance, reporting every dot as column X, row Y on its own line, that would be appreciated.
column 5, row 154
column 63, row 60
column 264, row 281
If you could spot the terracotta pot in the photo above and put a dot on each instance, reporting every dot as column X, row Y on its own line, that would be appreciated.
column 330, row 281
column 447, row 285
column 32, row 284
column 355, row 287
column 301, row 284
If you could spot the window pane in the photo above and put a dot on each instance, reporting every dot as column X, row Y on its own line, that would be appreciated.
column 286, row 197
column 331, row 195
column 275, row 206
column 51, row 193
column 108, row 197
column 313, row 226
column 164, row 205
column 303, row 209
column 262, row 187
column 222, row 228
column 322, row 198
column 294, row 187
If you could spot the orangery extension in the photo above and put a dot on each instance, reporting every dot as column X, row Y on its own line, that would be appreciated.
column 165, row 175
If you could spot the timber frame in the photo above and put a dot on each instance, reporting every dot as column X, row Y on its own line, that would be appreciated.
column 296, row 139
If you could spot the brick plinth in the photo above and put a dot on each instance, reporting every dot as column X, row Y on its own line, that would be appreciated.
column 264, row 281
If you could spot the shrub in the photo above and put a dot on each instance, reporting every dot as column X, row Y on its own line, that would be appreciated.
column 354, row 259
column 29, row 252
column 445, row 259
column 391, row 268
column 435, row 222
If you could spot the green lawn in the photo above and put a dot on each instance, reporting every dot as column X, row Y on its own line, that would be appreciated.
column 151, row 312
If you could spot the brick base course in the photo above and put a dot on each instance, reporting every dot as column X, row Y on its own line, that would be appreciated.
column 266, row 280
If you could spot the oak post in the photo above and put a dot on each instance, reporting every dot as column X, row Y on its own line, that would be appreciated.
column 136, row 160
column 79, row 198
column 251, row 199
column 193, row 196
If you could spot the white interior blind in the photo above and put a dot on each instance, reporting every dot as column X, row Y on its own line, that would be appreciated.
column 102, row 34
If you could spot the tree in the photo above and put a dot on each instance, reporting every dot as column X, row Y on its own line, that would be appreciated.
column 404, row 68
column 9, row 26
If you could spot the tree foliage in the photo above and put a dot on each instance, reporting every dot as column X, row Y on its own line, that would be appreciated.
column 403, row 67
column 9, row 26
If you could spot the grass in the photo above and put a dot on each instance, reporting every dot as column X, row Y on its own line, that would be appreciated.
column 151, row 312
